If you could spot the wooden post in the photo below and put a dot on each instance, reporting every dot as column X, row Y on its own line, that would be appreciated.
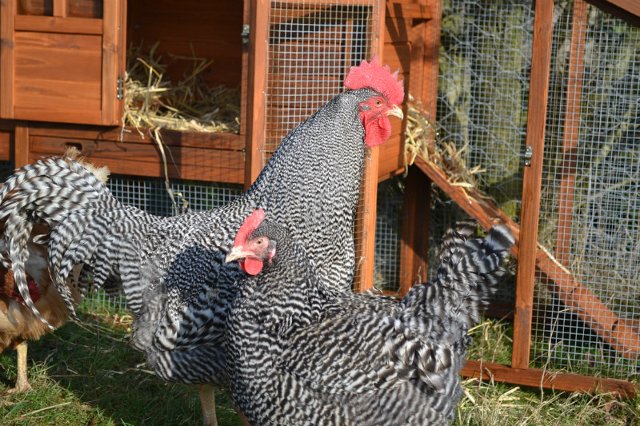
column 423, row 84
column 415, row 230
column 532, row 181
column 21, row 139
column 8, row 11
column 366, row 217
column 366, row 223
column 255, row 121
column 571, row 131
column 60, row 8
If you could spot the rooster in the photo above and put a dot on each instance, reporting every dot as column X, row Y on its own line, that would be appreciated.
column 299, row 352
column 172, row 270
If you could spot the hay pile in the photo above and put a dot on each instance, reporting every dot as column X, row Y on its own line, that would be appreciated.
column 153, row 102
column 421, row 139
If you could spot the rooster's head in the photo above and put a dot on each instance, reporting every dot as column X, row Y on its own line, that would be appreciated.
column 375, row 111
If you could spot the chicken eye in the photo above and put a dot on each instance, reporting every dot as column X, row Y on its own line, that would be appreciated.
column 259, row 242
column 378, row 102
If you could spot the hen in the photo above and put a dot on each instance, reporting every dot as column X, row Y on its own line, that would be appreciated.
column 172, row 270
column 18, row 324
column 301, row 353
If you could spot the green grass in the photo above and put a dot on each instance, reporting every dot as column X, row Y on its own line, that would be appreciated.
column 86, row 374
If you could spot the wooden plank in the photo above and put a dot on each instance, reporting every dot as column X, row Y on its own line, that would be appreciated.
column 631, row 6
column 366, row 224
column 244, row 85
column 67, row 116
column 85, row 8
column 259, row 46
column 426, row 83
column 571, row 131
column 60, row 8
column 6, row 142
column 59, row 25
column 561, row 282
column 407, row 10
column 7, row 55
column 620, row 10
column 21, row 149
column 532, row 181
column 143, row 159
column 229, row 141
column 415, row 230
column 536, row 378
column 113, row 61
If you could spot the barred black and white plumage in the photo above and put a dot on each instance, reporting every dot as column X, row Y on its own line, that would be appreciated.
column 171, row 270
column 301, row 353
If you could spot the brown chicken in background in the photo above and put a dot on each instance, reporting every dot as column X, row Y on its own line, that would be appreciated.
column 17, row 323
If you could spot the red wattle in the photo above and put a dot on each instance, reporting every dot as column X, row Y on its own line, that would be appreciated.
column 377, row 131
column 252, row 266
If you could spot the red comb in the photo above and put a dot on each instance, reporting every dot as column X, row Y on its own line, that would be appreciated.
column 250, row 224
column 377, row 77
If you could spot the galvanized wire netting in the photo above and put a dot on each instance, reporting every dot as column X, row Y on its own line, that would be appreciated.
column 590, row 211
column 483, row 88
column 388, row 232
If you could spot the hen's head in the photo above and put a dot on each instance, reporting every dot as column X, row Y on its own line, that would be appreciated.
column 375, row 111
column 252, row 250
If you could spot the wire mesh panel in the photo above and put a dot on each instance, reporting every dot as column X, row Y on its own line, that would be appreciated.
column 312, row 44
column 483, row 87
column 590, row 208
column 388, row 231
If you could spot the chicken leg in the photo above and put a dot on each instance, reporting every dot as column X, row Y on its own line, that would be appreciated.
column 208, row 404
column 22, row 383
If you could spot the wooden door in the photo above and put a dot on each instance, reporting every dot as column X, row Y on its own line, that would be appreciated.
column 62, row 60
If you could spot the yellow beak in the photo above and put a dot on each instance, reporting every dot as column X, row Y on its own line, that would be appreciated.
column 396, row 111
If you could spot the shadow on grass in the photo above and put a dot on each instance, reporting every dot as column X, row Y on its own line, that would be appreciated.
column 87, row 374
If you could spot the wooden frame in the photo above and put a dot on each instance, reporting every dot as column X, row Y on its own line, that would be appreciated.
column 61, row 68
column 532, row 182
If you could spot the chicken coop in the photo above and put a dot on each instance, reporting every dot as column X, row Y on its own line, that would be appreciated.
column 519, row 112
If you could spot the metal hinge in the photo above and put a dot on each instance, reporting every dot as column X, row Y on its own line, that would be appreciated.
column 120, row 88
column 246, row 30
column 528, row 155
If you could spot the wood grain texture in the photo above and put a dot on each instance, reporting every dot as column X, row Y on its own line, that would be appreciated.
column 415, row 230
column 259, row 45
column 199, row 156
column 7, row 53
column 571, row 132
column 56, row 24
column 532, row 181
column 536, row 378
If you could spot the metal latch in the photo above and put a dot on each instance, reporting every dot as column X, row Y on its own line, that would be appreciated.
column 246, row 30
column 120, row 88
column 528, row 154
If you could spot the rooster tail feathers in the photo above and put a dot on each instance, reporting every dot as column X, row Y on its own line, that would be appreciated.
column 471, row 267
column 46, row 192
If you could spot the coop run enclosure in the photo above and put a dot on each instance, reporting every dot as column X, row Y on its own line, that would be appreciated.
column 531, row 118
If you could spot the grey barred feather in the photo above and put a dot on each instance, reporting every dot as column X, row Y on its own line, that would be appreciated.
column 300, row 352
column 171, row 270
